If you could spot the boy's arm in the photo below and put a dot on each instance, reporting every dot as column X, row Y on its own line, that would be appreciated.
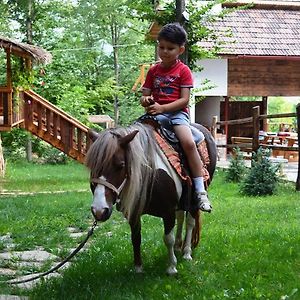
column 179, row 104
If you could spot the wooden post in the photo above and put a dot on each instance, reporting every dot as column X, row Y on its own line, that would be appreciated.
column 255, row 113
column 265, row 112
column 226, row 113
column 8, row 114
column 8, row 70
column 298, row 131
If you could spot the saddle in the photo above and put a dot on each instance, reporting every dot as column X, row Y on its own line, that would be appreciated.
column 170, row 146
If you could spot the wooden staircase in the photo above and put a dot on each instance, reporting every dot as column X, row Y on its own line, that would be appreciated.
column 54, row 126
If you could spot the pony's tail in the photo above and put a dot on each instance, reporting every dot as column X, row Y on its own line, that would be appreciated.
column 196, row 234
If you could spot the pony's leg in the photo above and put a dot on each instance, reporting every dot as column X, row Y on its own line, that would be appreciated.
column 187, row 248
column 169, row 240
column 136, row 243
column 178, row 238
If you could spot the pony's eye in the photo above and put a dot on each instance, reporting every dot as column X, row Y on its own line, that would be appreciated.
column 120, row 165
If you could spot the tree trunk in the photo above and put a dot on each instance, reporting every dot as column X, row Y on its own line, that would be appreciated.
column 29, row 21
column 115, row 38
column 29, row 35
column 180, row 8
column 2, row 162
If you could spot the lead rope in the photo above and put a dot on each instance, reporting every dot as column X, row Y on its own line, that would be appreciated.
column 90, row 232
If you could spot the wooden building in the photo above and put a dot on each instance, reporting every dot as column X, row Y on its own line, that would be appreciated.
column 261, row 58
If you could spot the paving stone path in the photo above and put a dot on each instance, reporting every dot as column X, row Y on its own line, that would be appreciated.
column 12, row 262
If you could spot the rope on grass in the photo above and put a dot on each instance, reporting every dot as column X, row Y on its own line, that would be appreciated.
column 90, row 232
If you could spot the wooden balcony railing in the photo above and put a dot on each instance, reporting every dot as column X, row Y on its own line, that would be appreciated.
column 11, row 109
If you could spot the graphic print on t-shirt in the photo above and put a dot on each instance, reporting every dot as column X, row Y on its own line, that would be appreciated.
column 163, row 84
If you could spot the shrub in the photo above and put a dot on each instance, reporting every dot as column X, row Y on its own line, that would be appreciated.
column 262, row 178
column 14, row 144
column 52, row 156
column 237, row 168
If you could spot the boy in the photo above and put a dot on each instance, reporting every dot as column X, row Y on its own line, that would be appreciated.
column 167, row 91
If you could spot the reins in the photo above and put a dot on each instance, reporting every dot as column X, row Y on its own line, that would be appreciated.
column 101, row 181
column 90, row 232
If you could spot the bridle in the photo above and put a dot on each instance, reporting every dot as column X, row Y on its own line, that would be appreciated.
column 104, row 182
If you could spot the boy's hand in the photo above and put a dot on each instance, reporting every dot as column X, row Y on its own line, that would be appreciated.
column 155, row 109
column 146, row 101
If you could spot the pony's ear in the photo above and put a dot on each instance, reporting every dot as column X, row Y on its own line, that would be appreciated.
column 125, row 140
column 93, row 135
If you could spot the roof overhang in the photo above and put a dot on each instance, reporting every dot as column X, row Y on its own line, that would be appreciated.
column 31, row 52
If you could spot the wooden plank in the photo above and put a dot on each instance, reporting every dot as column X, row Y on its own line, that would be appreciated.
column 71, row 131
column 79, row 140
column 48, row 120
column 236, row 122
column 55, row 124
column 5, row 108
column 276, row 116
column 39, row 115
column 4, row 89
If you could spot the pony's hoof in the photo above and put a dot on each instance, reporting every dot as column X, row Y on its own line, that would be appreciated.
column 138, row 269
column 172, row 271
column 187, row 256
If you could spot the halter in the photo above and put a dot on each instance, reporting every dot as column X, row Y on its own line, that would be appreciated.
column 107, row 184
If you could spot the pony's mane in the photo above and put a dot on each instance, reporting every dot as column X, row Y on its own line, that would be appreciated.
column 140, row 163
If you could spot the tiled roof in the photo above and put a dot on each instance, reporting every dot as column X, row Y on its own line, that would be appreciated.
column 260, row 31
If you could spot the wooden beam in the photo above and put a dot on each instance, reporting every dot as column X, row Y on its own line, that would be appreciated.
column 276, row 116
column 8, row 70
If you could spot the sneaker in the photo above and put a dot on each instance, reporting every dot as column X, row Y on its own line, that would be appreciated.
column 202, row 201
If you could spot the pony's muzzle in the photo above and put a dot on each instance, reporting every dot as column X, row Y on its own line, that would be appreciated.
column 101, row 215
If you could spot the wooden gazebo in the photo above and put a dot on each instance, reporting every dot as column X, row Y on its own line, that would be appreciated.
column 33, row 112
column 10, row 117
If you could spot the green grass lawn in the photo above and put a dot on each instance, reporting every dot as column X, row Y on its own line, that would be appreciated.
column 250, row 247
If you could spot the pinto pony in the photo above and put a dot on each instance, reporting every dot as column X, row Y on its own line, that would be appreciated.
column 130, row 170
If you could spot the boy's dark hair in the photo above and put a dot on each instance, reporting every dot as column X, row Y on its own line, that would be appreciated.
column 173, row 33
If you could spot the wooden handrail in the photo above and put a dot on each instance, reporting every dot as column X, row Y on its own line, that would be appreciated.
column 56, row 110
column 275, row 116
column 55, row 126
column 236, row 122
column 5, row 89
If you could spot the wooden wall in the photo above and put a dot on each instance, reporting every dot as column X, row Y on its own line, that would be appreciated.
column 263, row 77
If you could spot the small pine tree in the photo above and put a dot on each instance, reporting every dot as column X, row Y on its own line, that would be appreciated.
column 262, row 178
column 237, row 168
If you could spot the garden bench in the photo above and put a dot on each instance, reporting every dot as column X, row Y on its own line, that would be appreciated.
column 244, row 144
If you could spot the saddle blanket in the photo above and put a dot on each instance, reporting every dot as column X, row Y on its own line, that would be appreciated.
column 174, row 159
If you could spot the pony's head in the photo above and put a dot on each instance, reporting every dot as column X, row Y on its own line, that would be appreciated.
column 119, row 169
column 107, row 160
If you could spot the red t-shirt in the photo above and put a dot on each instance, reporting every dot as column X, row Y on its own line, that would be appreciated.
column 166, row 83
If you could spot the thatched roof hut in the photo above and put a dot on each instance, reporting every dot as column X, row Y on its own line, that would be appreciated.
column 31, row 52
